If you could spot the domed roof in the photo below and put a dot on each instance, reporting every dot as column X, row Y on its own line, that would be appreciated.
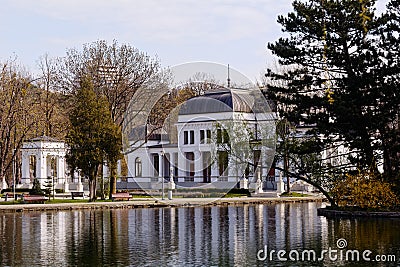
column 222, row 100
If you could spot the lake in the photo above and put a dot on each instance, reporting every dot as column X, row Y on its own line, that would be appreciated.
column 286, row 234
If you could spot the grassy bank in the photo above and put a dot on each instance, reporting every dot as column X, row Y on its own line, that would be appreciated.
column 294, row 194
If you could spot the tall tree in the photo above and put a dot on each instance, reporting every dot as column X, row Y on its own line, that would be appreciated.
column 284, row 132
column 93, row 136
column 334, row 82
column 112, row 148
column 52, row 104
column 389, row 43
column 17, row 116
column 117, row 72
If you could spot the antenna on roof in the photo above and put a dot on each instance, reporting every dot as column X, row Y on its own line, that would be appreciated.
column 229, row 79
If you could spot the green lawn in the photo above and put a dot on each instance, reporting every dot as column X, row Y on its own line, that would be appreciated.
column 294, row 194
column 229, row 195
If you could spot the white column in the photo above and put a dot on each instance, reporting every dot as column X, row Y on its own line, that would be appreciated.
column 106, row 172
column 259, row 188
column 264, row 160
column 62, row 178
column 214, row 171
column 172, row 159
column 3, row 183
column 79, row 187
column 280, row 186
column 160, row 166
column 147, row 166
column 232, row 169
column 41, row 167
column 25, row 167
column 181, row 167
column 119, row 167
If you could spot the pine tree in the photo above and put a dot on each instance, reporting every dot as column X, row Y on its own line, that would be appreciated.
column 390, row 84
column 338, row 73
column 36, row 188
column 93, row 135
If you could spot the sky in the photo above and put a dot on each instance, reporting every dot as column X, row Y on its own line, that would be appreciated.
column 233, row 32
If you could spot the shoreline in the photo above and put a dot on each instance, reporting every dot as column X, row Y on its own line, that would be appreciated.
column 331, row 213
column 156, row 203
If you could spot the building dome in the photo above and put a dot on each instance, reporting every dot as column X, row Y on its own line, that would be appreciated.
column 222, row 100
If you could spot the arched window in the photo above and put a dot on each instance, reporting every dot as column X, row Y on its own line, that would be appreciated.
column 138, row 167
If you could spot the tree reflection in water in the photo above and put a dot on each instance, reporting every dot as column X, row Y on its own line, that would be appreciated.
column 195, row 236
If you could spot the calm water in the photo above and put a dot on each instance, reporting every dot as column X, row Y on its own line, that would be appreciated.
column 200, row 236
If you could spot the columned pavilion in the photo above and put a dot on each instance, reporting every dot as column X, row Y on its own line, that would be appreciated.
column 43, row 157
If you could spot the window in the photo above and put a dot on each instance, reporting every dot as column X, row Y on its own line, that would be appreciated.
column 206, row 157
column 190, row 164
column 205, row 136
column 156, row 165
column 188, row 137
column 138, row 167
column 192, row 137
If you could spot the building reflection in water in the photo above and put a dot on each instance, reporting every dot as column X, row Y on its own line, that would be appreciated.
column 201, row 236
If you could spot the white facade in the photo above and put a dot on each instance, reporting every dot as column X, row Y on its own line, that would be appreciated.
column 197, row 158
column 43, row 157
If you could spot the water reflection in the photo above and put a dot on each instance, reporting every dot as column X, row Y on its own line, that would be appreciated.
column 199, row 236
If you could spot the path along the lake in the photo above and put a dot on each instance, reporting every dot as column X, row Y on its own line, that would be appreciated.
column 154, row 203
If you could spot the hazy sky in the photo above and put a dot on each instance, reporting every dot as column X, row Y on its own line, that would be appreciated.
column 176, row 31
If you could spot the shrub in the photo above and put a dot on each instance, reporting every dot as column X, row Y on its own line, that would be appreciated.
column 366, row 191
column 36, row 188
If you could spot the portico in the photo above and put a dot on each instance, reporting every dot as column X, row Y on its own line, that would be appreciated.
column 43, row 157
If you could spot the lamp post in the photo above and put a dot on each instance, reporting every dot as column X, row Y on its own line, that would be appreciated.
column 162, row 174
column 171, row 184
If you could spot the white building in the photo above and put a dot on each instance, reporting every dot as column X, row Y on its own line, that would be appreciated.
column 44, row 158
column 208, row 144
column 218, row 140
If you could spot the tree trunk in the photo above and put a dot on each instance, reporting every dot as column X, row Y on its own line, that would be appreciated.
column 113, row 178
column 102, row 182
column 319, row 187
column 91, row 189
column 93, row 184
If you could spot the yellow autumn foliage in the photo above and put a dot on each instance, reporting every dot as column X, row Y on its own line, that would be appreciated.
column 366, row 191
